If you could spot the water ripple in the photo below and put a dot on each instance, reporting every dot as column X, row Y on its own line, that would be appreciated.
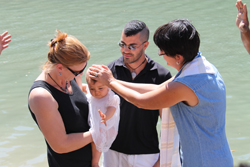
column 13, row 136
column 244, row 157
column 38, row 159
column 239, row 138
column 23, row 128
column 4, row 112
column 4, row 151
column 4, row 142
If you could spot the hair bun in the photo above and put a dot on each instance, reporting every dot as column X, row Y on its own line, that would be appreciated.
column 53, row 43
column 59, row 38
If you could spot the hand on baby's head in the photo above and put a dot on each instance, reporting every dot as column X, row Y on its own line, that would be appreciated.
column 89, row 80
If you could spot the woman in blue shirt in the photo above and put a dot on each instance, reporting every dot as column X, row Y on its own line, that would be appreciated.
column 196, row 95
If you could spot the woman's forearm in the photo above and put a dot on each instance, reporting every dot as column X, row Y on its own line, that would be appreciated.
column 141, row 88
column 127, row 93
column 72, row 142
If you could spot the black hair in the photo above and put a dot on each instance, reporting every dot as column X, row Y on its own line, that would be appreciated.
column 244, row 165
column 135, row 26
column 178, row 37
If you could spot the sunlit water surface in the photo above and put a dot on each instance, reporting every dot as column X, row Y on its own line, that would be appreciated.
column 98, row 24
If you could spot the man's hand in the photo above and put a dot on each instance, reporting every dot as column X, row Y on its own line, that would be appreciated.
column 242, row 20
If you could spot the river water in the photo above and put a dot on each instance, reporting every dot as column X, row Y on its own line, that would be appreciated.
column 98, row 24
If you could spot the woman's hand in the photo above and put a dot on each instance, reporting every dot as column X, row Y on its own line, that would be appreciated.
column 101, row 74
column 4, row 40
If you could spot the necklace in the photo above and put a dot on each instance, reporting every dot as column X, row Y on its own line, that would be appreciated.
column 63, row 89
column 133, row 72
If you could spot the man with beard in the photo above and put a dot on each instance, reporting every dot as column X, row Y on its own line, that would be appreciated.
column 137, row 141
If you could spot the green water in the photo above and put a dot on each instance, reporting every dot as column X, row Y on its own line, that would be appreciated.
column 98, row 24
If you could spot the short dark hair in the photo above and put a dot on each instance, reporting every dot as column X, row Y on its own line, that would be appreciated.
column 244, row 165
column 135, row 26
column 178, row 37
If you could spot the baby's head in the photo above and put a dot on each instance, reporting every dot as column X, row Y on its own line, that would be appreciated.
column 97, row 89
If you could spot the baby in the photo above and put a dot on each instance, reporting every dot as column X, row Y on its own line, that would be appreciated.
column 104, row 113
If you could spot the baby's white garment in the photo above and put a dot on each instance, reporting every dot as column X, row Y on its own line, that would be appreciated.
column 103, row 136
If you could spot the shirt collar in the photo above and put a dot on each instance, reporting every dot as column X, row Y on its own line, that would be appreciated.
column 199, row 65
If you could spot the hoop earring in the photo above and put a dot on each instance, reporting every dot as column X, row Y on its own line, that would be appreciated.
column 60, row 74
column 177, row 62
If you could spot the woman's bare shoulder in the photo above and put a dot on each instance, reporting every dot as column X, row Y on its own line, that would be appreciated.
column 40, row 98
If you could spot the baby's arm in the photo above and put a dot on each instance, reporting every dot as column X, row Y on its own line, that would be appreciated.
column 109, row 113
column 96, row 155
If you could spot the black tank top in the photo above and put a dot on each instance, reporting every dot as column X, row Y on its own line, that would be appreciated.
column 74, row 112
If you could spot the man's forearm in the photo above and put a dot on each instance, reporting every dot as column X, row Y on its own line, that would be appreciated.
column 245, row 37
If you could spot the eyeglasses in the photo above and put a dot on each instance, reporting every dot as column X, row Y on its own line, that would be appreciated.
column 130, row 47
column 78, row 72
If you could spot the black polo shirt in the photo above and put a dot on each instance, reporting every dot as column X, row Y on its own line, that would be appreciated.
column 137, row 132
